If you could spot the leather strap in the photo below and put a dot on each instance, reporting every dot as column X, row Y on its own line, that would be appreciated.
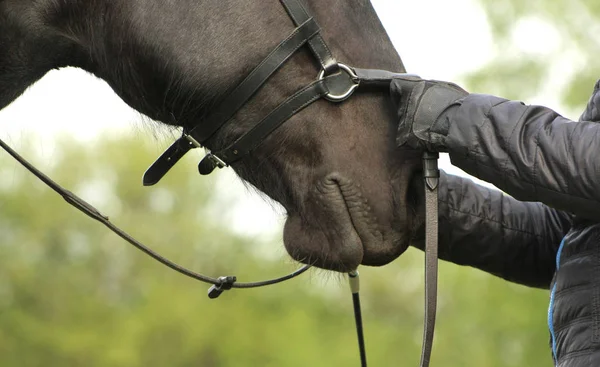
column 431, row 176
column 318, row 46
column 255, row 136
column 166, row 161
column 250, row 85
column 377, row 77
column 314, row 91
column 233, row 102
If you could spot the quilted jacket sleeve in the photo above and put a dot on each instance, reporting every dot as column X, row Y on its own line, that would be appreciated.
column 488, row 230
column 530, row 152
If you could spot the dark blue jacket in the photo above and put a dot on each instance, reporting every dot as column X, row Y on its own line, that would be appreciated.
column 547, row 232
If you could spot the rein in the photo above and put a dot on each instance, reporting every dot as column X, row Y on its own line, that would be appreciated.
column 335, row 82
column 219, row 284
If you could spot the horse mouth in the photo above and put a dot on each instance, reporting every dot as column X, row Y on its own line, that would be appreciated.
column 380, row 241
column 342, row 230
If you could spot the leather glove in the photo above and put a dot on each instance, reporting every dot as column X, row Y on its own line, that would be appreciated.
column 424, row 111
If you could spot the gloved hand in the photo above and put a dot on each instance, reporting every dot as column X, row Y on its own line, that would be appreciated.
column 424, row 110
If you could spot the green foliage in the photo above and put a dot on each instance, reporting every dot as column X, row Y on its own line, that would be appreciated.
column 571, row 59
column 72, row 294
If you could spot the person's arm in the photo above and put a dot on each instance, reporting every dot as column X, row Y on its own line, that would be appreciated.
column 490, row 231
column 530, row 152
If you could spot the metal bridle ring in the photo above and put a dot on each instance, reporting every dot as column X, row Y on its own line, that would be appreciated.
column 352, row 83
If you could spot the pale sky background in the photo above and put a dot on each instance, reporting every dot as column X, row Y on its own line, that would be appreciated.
column 456, row 40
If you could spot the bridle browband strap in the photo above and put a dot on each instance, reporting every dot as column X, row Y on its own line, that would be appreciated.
column 336, row 82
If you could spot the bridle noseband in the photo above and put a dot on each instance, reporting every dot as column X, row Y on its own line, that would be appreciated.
column 335, row 82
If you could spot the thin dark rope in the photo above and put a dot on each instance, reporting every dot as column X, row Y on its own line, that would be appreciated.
column 221, row 283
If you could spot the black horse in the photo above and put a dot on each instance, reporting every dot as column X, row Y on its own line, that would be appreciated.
column 334, row 168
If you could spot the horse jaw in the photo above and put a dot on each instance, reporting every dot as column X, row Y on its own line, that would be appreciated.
column 342, row 232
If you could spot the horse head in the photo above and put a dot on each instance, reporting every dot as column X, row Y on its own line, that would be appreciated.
column 335, row 168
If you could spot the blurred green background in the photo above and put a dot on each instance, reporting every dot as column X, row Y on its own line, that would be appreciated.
column 73, row 294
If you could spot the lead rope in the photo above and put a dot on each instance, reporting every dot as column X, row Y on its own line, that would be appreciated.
column 219, row 285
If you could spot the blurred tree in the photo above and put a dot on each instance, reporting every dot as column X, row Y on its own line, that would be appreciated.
column 73, row 294
column 559, row 53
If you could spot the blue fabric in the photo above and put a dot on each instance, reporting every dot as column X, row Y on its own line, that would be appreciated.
column 551, row 307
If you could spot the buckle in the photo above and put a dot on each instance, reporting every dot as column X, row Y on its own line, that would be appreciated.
column 216, row 160
column 209, row 163
column 341, row 85
column 191, row 139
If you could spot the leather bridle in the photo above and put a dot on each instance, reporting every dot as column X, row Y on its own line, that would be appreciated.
column 336, row 82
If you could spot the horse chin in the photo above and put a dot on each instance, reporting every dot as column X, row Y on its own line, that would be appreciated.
column 339, row 230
